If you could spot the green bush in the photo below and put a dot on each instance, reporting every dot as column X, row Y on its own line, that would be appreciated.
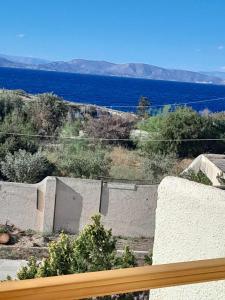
column 110, row 127
column 24, row 166
column 9, row 102
column 93, row 250
column 16, row 133
column 156, row 166
column 197, row 177
column 70, row 129
column 48, row 112
column 86, row 164
column 182, row 124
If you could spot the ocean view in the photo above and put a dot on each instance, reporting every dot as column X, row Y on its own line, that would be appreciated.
column 116, row 92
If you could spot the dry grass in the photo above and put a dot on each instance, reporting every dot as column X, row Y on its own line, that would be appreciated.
column 126, row 164
column 122, row 156
column 181, row 165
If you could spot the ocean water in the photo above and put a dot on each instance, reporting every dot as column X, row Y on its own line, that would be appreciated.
column 118, row 93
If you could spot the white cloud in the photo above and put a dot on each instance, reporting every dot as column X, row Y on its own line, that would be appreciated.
column 222, row 68
column 220, row 47
column 198, row 50
column 20, row 35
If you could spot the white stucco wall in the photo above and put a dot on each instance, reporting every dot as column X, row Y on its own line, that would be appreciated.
column 190, row 225
column 76, row 201
column 59, row 203
column 18, row 204
column 129, row 209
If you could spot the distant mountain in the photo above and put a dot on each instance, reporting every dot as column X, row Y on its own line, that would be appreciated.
column 134, row 70
column 215, row 73
column 25, row 60
column 10, row 64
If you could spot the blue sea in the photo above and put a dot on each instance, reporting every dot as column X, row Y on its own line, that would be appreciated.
column 116, row 92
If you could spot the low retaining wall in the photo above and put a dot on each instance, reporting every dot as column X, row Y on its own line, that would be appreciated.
column 59, row 203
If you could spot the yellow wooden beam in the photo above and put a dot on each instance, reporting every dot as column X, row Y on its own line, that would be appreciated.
column 79, row 286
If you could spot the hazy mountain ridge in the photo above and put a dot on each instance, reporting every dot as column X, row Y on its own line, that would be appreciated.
column 134, row 70
column 24, row 60
column 219, row 74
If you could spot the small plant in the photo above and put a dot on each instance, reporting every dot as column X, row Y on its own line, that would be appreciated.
column 221, row 178
column 148, row 259
column 4, row 233
column 199, row 177
column 4, row 229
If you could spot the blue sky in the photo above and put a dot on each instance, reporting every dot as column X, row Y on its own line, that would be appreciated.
column 187, row 34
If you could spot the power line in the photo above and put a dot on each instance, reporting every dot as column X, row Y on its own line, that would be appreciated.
column 107, row 139
column 171, row 104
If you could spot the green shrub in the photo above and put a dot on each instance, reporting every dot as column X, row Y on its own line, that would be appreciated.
column 93, row 250
column 78, row 160
column 15, row 135
column 148, row 259
column 48, row 112
column 183, row 124
column 24, row 166
column 109, row 127
column 197, row 177
column 156, row 166
column 9, row 102
column 70, row 129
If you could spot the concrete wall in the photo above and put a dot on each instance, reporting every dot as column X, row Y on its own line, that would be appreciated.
column 18, row 202
column 76, row 201
column 129, row 209
column 68, row 203
column 28, row 206
column 46, row 195
column 190, row 225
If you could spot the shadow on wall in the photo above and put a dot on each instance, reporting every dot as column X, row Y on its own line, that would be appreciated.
column 104, row 204
column 68, row 208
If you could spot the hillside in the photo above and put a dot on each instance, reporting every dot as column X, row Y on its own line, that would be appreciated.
column 134, row 70
column 219, row 74
column 10, row 64
column 24, row 60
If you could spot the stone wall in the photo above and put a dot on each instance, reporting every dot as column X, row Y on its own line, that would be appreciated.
column 59, row 203
column 190, row 225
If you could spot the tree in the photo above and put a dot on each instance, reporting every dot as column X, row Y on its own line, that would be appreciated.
column 143, row 107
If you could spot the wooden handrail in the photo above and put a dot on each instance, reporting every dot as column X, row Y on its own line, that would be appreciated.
column 79, row 286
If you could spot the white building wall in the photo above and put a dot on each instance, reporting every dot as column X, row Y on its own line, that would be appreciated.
column 190, row 225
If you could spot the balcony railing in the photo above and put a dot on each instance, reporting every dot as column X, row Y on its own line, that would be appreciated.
column 80, row 286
